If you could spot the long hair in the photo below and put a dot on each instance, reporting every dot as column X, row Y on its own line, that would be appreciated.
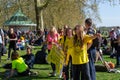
column 78, row 38
column 14, row 55
column 67, row 30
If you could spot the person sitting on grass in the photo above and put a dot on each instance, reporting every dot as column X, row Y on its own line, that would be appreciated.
column 18, row 66
column 29, row 57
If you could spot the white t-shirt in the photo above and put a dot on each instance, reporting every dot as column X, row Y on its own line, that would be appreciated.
column 118, row 31
column 1, row 34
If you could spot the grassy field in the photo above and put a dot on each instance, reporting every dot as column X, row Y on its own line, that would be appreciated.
column 44, row 69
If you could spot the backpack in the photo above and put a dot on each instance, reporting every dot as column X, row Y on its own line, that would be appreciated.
column 40, row 57
column 96, row 42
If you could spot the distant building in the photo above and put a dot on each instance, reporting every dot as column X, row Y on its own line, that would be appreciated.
column 19, row 21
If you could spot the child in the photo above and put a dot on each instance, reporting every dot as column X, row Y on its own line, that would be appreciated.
column 79, row 54
column 18, row 66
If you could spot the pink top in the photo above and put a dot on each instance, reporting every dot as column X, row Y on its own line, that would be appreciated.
column 51, row 39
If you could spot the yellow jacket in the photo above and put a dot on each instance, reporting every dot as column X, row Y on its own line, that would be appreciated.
column 79, row 55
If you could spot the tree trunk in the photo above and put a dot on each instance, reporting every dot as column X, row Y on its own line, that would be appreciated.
column 37, row 15
column 42, row 21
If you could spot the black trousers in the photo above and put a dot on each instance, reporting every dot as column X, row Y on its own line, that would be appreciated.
column 11, row 46
column 25, row 73
column 52, row 65
column 68, row 69
column 81, row 69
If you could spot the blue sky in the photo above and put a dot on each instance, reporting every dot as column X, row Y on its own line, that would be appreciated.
column 110, row 15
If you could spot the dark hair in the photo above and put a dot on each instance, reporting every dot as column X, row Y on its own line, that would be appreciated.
column 118, row 27
column 88, row 21
column 14, row 55
column 67, row 30
column 28, row 47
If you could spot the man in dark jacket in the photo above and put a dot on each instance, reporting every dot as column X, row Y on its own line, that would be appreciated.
column 29, row 57
column 92, row 48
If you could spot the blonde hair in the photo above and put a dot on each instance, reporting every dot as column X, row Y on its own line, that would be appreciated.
column 53, row 29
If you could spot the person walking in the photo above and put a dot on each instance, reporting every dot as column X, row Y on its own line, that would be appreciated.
column 52, row 39
column 12, row 41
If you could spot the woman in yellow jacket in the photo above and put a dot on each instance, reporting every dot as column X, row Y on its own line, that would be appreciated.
column 66, row 48
column 78, row 52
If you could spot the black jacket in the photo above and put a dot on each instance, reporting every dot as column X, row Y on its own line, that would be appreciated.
column 29, row 60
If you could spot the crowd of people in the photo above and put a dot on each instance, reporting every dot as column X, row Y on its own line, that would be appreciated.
column 80, row 46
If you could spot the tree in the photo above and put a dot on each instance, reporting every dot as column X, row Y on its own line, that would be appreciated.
column 38, row 9
column 62, row 12
column 53, row 12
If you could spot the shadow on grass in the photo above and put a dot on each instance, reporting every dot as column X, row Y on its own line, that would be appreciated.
column 38, row 77
column 41, row 68
column 34, row 77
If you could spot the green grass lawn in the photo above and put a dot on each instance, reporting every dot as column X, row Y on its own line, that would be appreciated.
column 44, row 69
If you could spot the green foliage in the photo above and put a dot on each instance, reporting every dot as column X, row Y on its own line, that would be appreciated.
column 62, row 12
column 55, row 12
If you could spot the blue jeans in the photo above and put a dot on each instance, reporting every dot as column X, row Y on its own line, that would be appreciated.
column 117, row 59
column 0, row 51
column 92, row 56
column 82, row 69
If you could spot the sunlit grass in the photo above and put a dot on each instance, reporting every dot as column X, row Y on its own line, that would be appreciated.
column 44, row 69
